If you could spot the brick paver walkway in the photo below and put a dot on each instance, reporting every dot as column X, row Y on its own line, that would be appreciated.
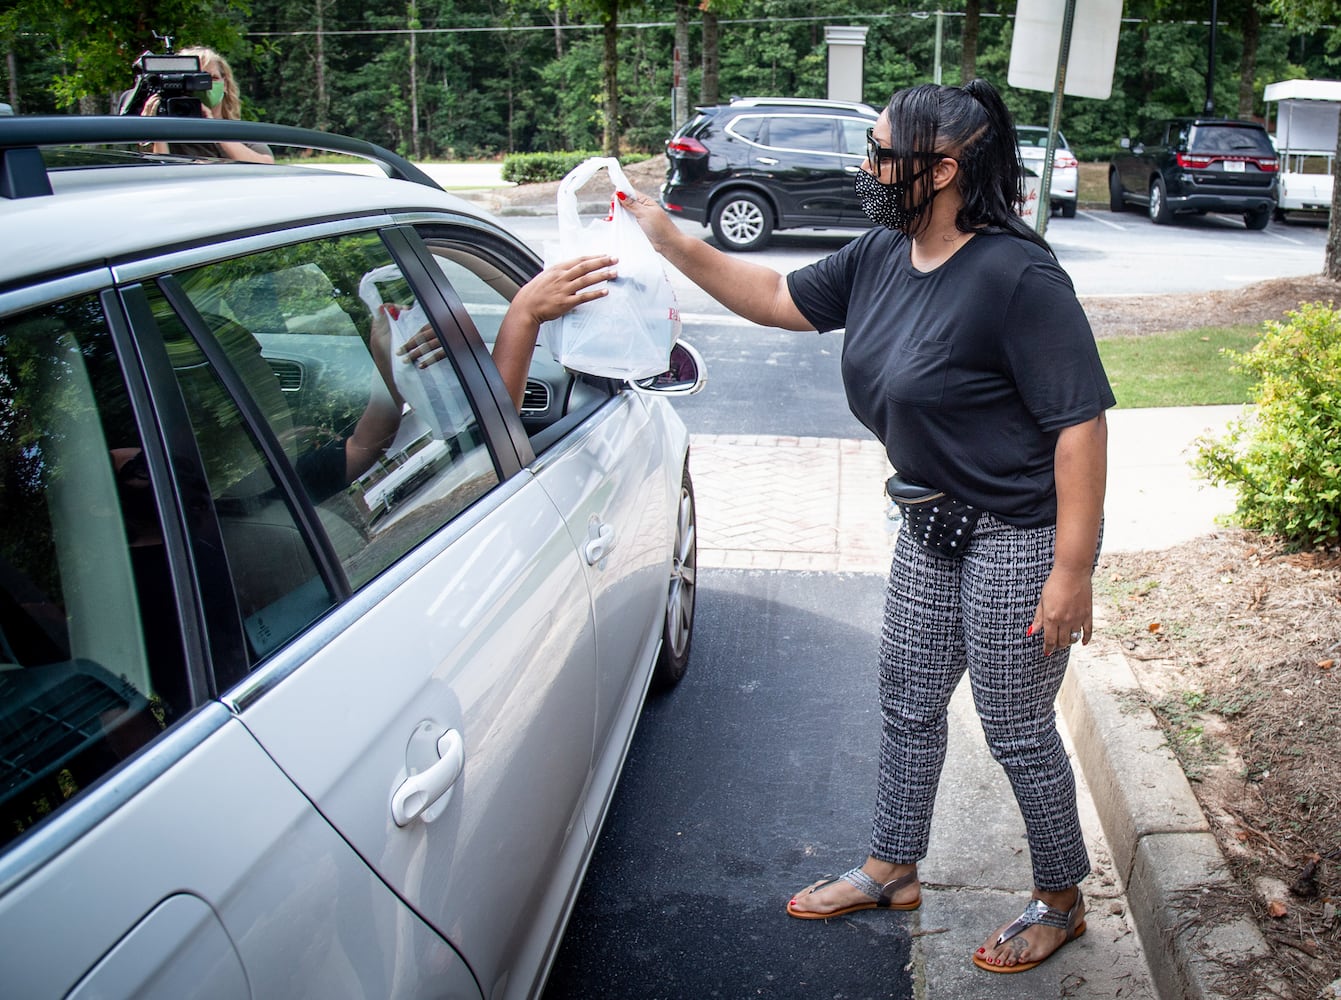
column 797, row 503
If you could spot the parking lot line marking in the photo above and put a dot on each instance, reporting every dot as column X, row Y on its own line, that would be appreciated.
column 1285, row 239
column 1103, row 222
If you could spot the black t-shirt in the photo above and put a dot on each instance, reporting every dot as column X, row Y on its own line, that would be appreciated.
column 968, row 373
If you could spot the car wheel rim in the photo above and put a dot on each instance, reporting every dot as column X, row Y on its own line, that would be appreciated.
column 680, row 603
column 742, row 221
column 1155, row 202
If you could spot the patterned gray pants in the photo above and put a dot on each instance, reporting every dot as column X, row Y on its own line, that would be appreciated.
column 943, row 616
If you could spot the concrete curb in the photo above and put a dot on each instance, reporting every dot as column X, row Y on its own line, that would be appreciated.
column 1160, row 840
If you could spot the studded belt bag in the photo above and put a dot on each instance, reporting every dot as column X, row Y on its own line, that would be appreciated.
column 937, row 522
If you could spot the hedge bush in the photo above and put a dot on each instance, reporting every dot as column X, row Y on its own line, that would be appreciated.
column 1284, row 459
column 535, row 168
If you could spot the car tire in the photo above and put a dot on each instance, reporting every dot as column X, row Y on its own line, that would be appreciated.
column 1258, row 218
column 742, row 221
column 1159, row 203
column 1116, row 203
column 1068, row 209
column 677, row 629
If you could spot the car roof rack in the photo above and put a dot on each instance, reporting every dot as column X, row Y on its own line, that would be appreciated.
column 23, row 173
column 805, row 102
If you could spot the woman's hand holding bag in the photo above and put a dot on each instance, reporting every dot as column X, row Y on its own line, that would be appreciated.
column 629, row 332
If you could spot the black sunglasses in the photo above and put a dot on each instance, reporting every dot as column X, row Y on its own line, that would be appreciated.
column 876, row 152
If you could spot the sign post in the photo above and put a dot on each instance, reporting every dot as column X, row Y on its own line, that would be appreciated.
column 1048, row 34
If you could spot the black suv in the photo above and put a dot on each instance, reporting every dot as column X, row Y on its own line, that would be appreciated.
column 1197, row 165
column 765, row 163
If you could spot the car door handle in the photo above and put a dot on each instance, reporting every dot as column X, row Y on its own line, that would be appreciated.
column 768, row 161
column 419, row 791
column 600, row 540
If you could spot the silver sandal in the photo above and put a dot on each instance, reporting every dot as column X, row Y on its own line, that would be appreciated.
column 1071, row 921
column 882, row 896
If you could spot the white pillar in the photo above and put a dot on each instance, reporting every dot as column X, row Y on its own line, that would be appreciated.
column 846, row 51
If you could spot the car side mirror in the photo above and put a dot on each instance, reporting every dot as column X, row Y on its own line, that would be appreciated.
column 686, row 375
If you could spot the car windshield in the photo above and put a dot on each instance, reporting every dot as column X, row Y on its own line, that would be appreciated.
column 1230, row 139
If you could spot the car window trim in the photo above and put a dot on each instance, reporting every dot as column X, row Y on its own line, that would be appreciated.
column 507, row 438
column 305, row 514
column 242, row 245
column 831, row 119
column 201, row 561
column 14, row 300
column 168, row 495
column 47, row 840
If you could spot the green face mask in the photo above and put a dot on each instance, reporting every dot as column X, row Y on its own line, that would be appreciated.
column 214, row 95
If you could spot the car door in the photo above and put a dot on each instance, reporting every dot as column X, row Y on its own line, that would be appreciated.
column 797, row 154
column 1140, row 167
column 150, row 847
column 439, row 711
column 608, row 478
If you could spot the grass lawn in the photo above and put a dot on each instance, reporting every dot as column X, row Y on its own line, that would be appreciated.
column 1178, row 369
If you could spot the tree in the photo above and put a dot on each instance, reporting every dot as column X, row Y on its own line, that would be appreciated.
column 712, row 56
column 680, row 61
column 968, row 55
column 97, row 40
column 1314, row 15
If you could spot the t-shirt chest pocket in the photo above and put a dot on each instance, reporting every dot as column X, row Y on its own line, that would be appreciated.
column 916, row 373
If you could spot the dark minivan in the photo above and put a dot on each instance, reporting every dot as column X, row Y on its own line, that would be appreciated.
column 1181, row 165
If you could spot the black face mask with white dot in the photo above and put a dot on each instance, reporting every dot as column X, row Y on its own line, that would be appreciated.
column 886, row 204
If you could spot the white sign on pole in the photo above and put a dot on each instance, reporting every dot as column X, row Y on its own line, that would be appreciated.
column 1038, row 40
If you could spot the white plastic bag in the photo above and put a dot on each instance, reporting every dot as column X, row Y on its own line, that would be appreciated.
column 629, row 332
column 432, row 393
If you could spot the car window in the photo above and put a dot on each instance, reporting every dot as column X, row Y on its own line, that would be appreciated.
column 854, row 136
column 484, row 289
column 276, row 581
column 801, row 132
column 747, row 127
column 1230, row 139
column 91, row 660
column 1154, row 134
column 385, row 445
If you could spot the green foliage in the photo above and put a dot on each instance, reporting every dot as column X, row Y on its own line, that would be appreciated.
column 1284, row 460
column 493, row 77
column 94, row 42
column 535, row 168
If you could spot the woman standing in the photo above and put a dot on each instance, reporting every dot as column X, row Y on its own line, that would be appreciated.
column 222, row 100
column 967, row 354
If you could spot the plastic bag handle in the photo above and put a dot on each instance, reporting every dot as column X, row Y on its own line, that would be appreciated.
column 578, row 176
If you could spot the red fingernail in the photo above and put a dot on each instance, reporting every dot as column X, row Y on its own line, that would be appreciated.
column 1029, row 631
column 621, row 196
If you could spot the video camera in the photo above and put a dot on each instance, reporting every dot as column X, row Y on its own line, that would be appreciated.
column 177, row 80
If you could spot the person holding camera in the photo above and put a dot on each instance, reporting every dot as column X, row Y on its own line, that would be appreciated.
column 968, row 355
column 222, row 100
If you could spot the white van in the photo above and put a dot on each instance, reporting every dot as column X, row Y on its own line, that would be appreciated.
column 1305, row 135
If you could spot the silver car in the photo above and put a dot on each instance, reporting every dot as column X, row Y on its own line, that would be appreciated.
column 1063, row 192
column 318, row 668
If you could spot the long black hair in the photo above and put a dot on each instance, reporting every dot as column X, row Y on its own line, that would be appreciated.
column 971, row 124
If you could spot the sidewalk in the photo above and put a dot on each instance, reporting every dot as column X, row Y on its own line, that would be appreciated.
column 771, row 502
column 817, row 505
